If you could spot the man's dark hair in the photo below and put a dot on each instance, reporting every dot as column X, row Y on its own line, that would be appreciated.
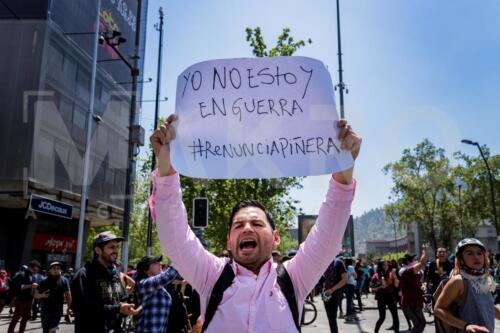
column 35, row 263
column 101, row 246
column 250, row 203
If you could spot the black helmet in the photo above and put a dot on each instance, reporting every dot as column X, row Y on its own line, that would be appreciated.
column 468, row 242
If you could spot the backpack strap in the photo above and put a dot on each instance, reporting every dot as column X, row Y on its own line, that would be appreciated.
column 226, row 279
column 223, row 282
column 286, row 286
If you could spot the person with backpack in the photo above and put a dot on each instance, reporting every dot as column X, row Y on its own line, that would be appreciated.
column 151, row 294
column 23, row 289
column 437, row 270
column 249, row 293
column 466, row 301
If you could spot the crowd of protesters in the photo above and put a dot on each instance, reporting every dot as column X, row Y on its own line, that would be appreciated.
column 100, row 298
column 251, row 288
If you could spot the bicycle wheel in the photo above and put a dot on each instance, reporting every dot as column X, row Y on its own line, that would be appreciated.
column 309, row 313
column 428, row 313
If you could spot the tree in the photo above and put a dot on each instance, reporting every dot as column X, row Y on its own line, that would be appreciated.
column 475, row 196
column 285, row 46
column 422, row 193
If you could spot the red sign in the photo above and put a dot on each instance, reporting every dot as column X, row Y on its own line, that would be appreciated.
column 53, row 243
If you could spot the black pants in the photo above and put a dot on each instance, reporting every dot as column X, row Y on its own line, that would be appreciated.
column 383, row 302
column 416, row 316
column 331, row 308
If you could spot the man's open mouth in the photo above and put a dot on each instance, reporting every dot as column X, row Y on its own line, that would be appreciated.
column 248, row 244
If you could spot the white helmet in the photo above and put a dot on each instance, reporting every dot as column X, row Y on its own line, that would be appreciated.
column 468, row 242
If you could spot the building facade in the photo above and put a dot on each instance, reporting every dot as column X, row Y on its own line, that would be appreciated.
column 46, row 69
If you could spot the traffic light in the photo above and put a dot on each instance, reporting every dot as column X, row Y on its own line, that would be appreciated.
column 200, row 212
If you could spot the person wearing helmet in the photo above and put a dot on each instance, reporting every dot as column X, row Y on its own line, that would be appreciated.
column 466, row 301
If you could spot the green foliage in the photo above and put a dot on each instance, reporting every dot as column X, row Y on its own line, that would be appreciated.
column 475, row 194
column 285, row 46
column 425, row 192
column 223, row 195
column 394, row 255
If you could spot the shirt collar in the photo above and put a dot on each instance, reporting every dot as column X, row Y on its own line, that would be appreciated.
column 265, row 268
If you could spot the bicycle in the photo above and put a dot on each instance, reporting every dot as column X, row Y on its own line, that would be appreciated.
column 428, row 308
column 309, row 313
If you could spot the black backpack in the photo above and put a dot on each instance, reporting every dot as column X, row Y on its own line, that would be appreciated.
column 178, row 317
column 226, row 279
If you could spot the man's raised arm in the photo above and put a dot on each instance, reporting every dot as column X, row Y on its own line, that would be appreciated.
column 188, row 256
column 325, row 239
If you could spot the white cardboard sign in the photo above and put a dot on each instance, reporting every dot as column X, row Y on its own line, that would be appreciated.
column 257, row 118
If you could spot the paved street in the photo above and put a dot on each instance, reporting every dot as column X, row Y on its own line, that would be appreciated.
column 368, row 318
column 366, row 324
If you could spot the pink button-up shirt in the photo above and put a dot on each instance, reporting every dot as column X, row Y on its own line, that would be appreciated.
column 253, row 303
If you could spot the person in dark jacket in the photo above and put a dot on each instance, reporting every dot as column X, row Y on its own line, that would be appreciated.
column 52, row 292
column 437, row 270
column 335, row 278
column 97, row 291
column 23, row 288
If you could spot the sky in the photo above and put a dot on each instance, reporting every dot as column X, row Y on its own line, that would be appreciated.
column 415, row 69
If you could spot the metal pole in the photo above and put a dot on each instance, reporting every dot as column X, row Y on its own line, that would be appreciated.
column 395, row 237
column 129, row 184
column 149, row 243
column 460, row 209
column 492, row 188
column 86, row 159
column 341, row 84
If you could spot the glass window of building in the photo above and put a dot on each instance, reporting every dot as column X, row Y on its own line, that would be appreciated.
column 83, row 84
column 69, row 69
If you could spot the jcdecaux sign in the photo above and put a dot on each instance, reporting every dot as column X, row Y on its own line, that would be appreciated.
column 49, row 206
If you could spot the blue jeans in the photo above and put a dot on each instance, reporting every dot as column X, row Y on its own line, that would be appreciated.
column 349, row 296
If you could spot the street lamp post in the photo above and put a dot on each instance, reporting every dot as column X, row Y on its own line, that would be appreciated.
column 159, row 27
column 86, row 158
column 341, row 84
column 136, row 133
column 459, row 183
column 490, row 178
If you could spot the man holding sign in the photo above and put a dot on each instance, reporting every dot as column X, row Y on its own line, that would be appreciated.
column 255, row 300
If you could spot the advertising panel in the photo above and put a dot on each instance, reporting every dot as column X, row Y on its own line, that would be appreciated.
column 54, row 243
column 306, row 222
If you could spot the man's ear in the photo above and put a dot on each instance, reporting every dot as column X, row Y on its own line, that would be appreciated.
column 98, row 250
column 276, row 237
column 228, row 243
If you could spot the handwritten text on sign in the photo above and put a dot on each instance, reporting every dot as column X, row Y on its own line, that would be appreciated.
column 257, row 118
